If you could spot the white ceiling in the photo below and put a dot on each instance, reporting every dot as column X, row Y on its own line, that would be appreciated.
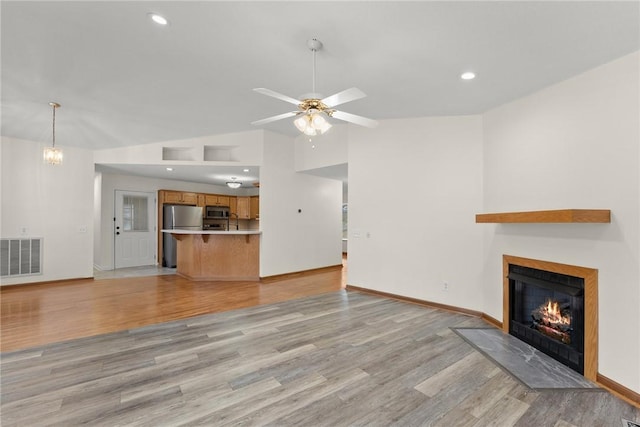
column 123, row 80
column 218, row 175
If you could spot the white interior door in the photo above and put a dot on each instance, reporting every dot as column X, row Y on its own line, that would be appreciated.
column 134, row 229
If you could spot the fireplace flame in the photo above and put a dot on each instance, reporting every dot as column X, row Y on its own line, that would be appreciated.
column 554, row 320
column 554, row 315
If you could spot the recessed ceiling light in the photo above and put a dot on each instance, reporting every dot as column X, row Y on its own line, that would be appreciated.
column 245, row 170
column 468, row 76
column 169, row 169
column 158, row 19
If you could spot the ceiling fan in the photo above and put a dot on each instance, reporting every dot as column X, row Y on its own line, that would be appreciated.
column 313, row 108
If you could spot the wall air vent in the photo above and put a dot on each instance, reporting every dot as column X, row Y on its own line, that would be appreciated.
column 20, row 257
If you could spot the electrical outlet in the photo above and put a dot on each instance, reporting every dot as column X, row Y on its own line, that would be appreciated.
column 24, row 231
column 82, row 229
column 445, row 287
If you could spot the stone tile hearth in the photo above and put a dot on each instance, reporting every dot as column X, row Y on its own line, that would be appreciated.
column 532, row 367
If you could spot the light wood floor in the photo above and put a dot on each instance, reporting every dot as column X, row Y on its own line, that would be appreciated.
column 336, row 359
column 44, row 313
column 296, row 351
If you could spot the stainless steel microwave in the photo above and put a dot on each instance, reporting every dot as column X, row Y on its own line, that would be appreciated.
column 216, row 212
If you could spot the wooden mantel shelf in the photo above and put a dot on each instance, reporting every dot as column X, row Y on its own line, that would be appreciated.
column 553, row 216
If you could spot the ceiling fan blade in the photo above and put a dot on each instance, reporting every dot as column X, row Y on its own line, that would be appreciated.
column 343, row 97
column 274, row 118
column 277, row 95
column 352, row 118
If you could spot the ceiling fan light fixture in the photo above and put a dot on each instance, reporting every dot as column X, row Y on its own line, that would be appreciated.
column 319, row 123
column 301, row 123
column 312, row 124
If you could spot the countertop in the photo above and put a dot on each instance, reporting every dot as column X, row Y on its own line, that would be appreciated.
column 178, row 231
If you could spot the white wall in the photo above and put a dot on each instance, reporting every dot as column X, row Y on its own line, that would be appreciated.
column 112, row 182
column 414, row 188
column 327, row 150
column 52, row 202
column 290, row 241
column 247, row 150
column 293, row 241
column 573, row 145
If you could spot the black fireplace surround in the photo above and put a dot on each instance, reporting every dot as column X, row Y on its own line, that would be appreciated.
column 530, row 289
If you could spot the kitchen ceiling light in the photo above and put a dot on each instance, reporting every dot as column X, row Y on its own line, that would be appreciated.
column 169, row 169
column 468, row 76
column 53, row 155
column 234, row 184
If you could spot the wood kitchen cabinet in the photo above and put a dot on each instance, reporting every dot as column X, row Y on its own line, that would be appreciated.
column 255, row 207
column 178, row 197
column 243, row 207
column 216, row 200
column 233, row 205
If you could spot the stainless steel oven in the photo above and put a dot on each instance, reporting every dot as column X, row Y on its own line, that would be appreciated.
column 215, row 226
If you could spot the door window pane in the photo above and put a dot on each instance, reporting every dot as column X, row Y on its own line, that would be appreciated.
column 135, row 215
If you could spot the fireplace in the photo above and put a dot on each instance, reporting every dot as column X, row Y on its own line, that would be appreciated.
column 546, row 310
column 553, row 307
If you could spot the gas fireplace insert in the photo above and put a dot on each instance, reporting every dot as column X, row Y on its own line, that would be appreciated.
column 546, row 310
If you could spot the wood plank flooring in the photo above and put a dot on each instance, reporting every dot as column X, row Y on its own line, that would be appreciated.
column 334, row 359
column 294, row 351
column 44, row 313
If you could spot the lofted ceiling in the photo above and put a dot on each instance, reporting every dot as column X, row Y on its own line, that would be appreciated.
column 123, row 80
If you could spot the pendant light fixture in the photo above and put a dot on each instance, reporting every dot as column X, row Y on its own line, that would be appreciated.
column 233, row 183
column 53, row 155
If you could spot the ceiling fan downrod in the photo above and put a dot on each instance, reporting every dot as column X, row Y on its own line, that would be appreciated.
column 314, row 45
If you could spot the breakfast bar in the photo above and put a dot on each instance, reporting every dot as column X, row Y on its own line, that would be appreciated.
column 218, row 255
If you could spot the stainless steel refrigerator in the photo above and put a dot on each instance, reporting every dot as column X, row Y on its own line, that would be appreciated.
column 177, row 217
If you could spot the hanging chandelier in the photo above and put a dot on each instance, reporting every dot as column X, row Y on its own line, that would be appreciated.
column 53, row 155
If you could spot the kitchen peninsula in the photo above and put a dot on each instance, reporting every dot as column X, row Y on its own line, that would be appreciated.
column 218, row 255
